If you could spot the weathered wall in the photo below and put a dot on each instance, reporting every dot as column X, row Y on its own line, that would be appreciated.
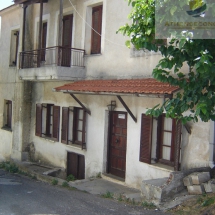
column 54, row 153
column 115, row 61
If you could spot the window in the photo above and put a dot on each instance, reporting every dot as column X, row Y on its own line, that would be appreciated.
column 73, row 126
column 14, row 47
column 168, row 138
column 7, row 114
column 47, row 121
column 97, row 26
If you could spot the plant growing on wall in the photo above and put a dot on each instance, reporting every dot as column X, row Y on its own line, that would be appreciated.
column 197, row 95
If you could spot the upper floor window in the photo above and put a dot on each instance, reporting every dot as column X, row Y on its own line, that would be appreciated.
column 14, row 47
column 97, row 30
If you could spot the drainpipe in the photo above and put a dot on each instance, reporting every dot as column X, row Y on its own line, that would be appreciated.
column 212, row 144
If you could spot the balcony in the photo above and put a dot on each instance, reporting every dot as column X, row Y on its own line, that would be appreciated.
column 53, row 63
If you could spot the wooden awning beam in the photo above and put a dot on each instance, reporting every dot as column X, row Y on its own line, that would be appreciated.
column 76, row 99
column 126, row 107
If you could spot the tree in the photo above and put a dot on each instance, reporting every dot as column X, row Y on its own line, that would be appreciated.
column 196, row 99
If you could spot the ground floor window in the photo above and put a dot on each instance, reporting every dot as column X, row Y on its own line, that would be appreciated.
column 73, row 126
column 7, row 122
column 160, row 143
column 47, row 121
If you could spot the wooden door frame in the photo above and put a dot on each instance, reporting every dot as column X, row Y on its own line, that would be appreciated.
column 109, row 137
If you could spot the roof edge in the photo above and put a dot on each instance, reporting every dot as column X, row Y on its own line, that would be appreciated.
column 8, row 9
column 114, row 94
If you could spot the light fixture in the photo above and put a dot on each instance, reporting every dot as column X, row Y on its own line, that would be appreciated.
column 112, row 106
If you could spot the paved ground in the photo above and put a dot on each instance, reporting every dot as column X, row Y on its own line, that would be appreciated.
column 20, row 195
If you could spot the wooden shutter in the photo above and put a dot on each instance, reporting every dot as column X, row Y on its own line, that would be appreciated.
column 9, row 113
column 81, row 167
column 17, row 46
column 146, row 139
column 83, row 145
column 97, row 26
column 67, row 31
column 56, row 121
column 72, row 164
column 38, row 120
column 76, row 165
column 65, row 125
column 44, row 36
column 67, row 40
column 159, row 136
column 177, row 144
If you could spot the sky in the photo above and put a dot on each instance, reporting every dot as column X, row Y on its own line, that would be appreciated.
column 5, row 3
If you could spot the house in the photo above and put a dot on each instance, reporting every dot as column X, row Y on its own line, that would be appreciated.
column 74, row 96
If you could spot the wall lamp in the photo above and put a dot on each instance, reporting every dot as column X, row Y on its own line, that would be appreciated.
column 112, row 106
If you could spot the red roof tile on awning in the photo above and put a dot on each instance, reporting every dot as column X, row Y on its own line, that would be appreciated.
column 123, row 86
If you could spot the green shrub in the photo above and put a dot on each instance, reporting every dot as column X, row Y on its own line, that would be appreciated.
column 65, row 184
column 108, row 195
column 54, row 182
column 70, row 178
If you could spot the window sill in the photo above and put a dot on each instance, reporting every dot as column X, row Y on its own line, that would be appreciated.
column 92, row 55
column 6, row 128
column 76, row 146
column 163, row 167
column 48, row 139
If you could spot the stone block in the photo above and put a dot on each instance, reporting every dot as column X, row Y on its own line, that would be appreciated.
column 207, row 187
column 200, row 177
column 210, row 186
column 195, row 189
column 187, row 181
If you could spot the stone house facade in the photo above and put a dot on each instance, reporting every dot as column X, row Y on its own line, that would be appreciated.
column 74, row 96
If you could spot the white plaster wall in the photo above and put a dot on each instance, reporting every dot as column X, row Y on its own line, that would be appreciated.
column 114, row 62
column 194, row 152
column 10, row 20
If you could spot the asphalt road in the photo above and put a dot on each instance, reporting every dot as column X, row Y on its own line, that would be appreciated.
column 21, row 195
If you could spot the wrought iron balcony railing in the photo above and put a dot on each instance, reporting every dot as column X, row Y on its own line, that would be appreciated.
column 57, row 55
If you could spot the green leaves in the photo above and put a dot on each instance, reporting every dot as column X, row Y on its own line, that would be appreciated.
column 197, row 96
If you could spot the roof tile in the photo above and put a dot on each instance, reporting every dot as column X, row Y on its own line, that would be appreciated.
column 128, row 86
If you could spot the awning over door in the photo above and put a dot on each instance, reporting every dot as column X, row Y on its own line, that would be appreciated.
column 137, row 87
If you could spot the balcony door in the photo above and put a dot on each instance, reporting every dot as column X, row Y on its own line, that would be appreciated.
column 67, row 40
column 44, row 36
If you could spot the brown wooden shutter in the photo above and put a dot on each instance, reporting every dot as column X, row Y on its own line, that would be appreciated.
column 38, row 120
column 65, row 125
column 177, row 144
column 67, row 40
column 81, row 167
column 72, row 164
column 159, row 136
column 9, row 114
column 17, row 46
column 44, row 36
column 83, row 145
column 76, row 165
column 56, row 121
column 97, row 26
column 146, row 139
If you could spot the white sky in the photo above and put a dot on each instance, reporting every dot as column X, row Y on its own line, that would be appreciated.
column 5, row 3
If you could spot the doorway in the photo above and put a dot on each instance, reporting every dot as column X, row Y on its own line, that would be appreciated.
column 117, row 143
